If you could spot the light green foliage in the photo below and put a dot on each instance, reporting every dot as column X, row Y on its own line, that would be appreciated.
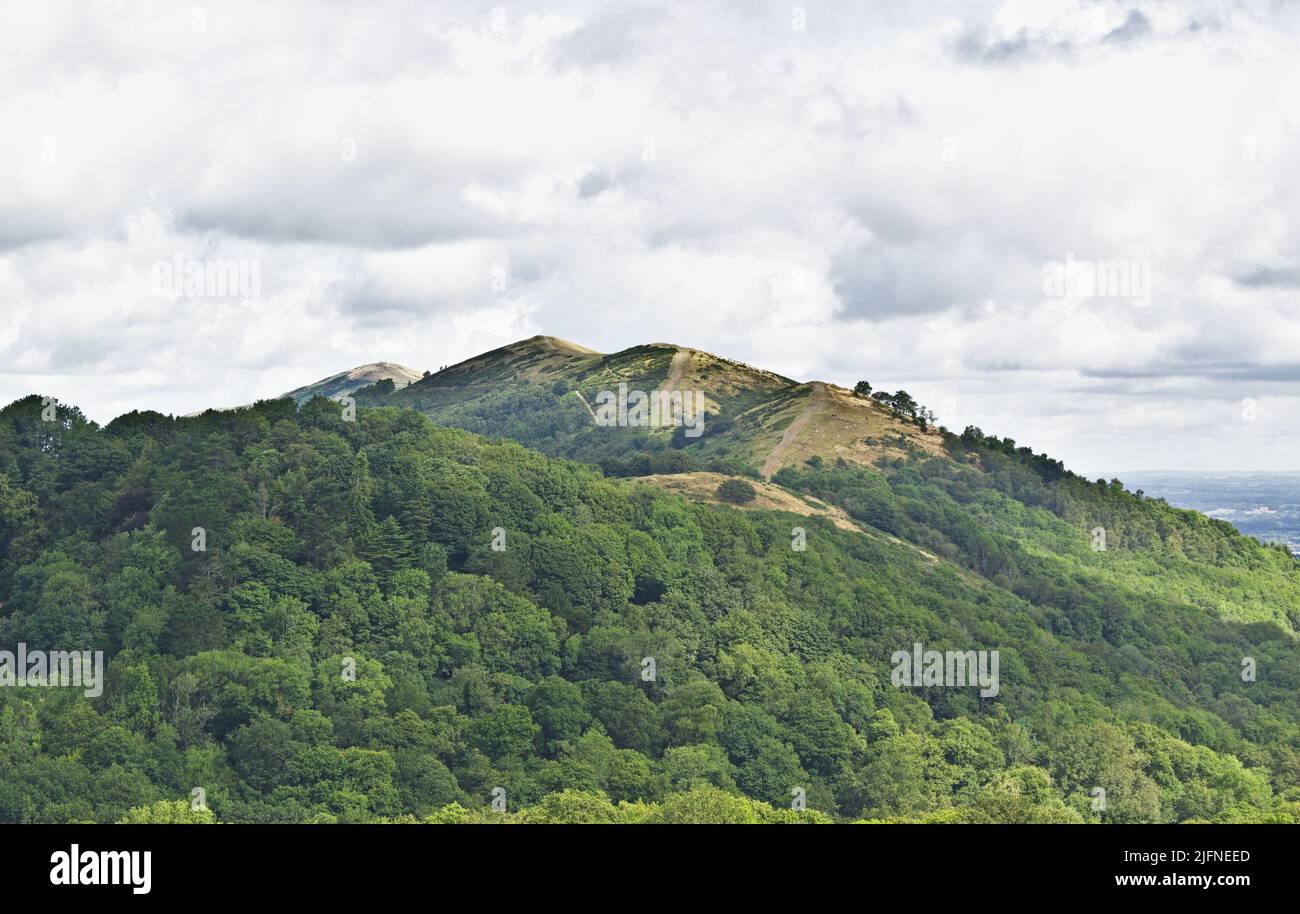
column 168, row 812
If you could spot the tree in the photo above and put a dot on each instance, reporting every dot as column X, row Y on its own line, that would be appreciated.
column 20, row 527
column 168, row 812
column 574, row 807
column 1104, row 757
column 386, row 549
column 506, row 732
column 558, row 708
column 822, row 740
column 904, row 775
column 707, row 805
column 692, row 712
column 862, row 389
column 736, row 491
column 630, row 719
column 424, row 783
column 772, row 773
column 904, row 405
column 687, row 767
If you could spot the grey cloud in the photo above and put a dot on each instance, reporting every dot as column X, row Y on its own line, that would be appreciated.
column 1211, row 371
column 20, row 229
column 1134, row 27
column 873, row 284
column 394, row 202
column 776, row 148
column 612, row 35
column 1270, row 278
column 593, row 183
column 974, row 45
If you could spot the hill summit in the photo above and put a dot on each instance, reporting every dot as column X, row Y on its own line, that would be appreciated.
column 346, row 382
column 544, row 392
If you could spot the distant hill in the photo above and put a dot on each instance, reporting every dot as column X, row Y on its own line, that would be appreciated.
column 542, row 391
column 347, row 382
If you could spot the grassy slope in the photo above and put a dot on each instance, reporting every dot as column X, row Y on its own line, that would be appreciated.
column 523, row 391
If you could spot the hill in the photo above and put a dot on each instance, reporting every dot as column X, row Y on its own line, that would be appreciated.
column 543, row 392
column 317, row 619
column 347, row 382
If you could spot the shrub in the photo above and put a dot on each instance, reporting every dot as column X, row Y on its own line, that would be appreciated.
column 737, row 492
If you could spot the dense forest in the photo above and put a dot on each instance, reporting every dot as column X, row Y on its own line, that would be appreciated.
column 314, row 615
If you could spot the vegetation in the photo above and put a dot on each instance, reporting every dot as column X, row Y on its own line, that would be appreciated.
column 901, row 405
column 736, row 491
column 391, row 621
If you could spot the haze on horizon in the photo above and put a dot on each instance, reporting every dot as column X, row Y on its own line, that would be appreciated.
column 829, row 191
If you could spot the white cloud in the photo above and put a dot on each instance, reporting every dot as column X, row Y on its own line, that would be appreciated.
column 874, row 195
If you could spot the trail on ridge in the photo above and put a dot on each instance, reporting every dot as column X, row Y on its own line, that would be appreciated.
column 816, row 402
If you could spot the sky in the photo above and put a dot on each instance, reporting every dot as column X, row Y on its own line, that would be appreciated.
column 916, row 194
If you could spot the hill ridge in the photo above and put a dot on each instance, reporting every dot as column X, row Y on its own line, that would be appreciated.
column 760, row 417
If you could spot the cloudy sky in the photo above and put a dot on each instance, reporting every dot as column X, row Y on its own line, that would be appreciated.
column 834, row 191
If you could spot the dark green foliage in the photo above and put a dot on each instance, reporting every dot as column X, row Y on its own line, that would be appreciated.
column 736, row 491
column 353, row 645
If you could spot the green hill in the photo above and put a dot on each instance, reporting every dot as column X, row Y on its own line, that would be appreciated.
column 542, row 392
column 315, row 619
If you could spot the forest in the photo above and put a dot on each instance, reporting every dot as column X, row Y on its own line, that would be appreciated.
column 312, row 619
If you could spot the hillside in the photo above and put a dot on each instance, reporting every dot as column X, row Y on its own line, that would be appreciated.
column 702, row 488
column 388, row 619
column 542, row 392
column 888, row 466
column 347, row 382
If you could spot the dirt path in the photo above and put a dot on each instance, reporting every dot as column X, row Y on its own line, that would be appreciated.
column 676, row 369
column 816, row 401
column 583, row 401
